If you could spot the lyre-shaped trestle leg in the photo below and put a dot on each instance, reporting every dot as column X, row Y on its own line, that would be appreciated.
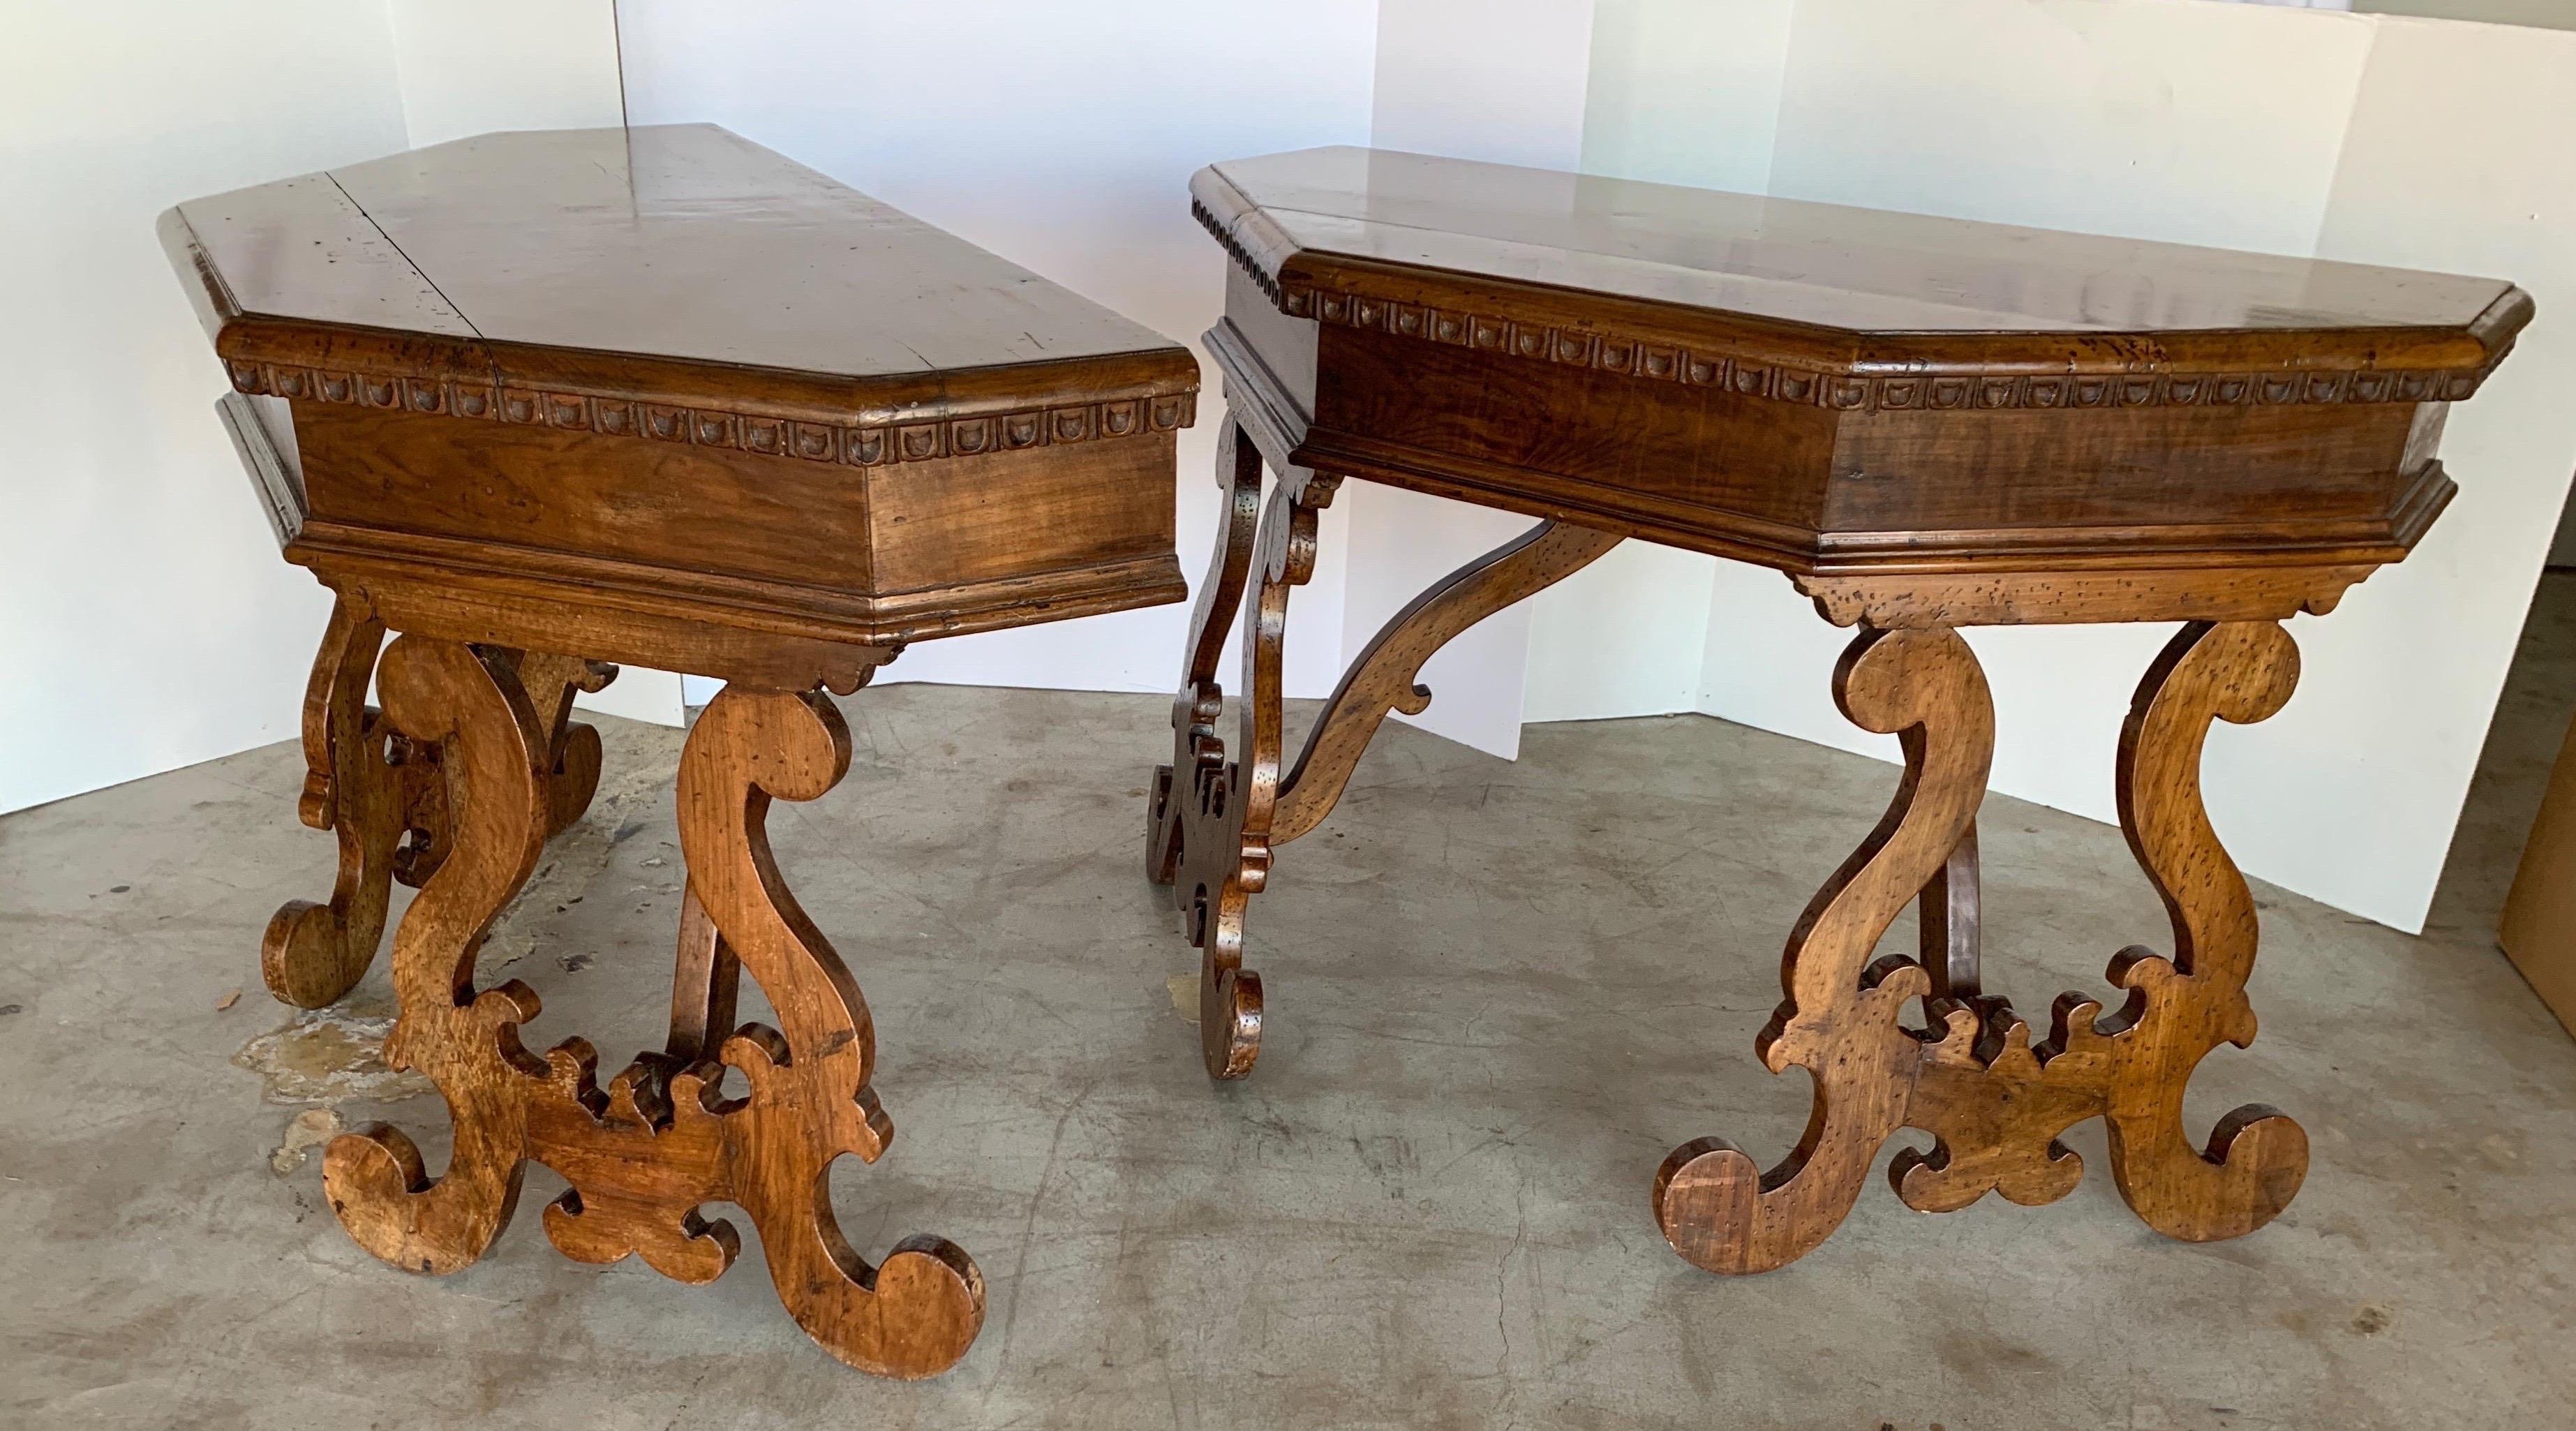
column 1213, row 823
column 810, row 1100
column 645, row 1154
column 1225, row 824
column 384, row 794
column 1994, row 1101
column 313, row 953
column 468, row 701
column 1207, row 827
column 1198, row 751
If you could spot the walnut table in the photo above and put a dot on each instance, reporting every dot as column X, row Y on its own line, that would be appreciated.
column 538, row 402
column 1925, row 424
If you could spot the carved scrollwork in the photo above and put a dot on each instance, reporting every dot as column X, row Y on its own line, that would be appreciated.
column 1212, row 824
column 384, row 794
column 2179, row 1009
column 1996, row 1105
column 1840, row 1019
column 647, row 1153
column 469, row 702
column 1383, row 679
column 1198, row 750
column 1224, row 817
column 1993, row 1101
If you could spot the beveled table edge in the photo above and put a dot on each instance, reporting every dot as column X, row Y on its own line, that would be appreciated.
column 1840, row 368
column 782, row 412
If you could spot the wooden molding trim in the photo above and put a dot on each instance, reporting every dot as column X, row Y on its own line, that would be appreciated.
column 2018, row 598
column 815, row 441
column 2122, row 553
column 1759, row 366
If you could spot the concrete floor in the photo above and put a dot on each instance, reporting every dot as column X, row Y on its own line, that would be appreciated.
column 1499, row 993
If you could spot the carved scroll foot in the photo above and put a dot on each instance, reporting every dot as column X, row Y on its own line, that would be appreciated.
column 385, row 795
column 648, row 1152
column 1840, row 1019
column 1224, row 815
column 1995, row 1102
column 2182, row 1008
column 311, row 953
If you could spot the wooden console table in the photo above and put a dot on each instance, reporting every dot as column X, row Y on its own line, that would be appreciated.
column 539, row 402
column 1926, row 424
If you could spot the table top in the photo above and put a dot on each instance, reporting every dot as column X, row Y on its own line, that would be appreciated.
column 677, row 263
column 1845, row 291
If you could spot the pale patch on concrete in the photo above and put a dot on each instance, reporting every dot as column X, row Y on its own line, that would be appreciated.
column 329, row 1056
column 1185, row 997
column 305, row 1132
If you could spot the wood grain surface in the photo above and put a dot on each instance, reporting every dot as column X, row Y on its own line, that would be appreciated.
column 1994, row 1102
column 660, row 1141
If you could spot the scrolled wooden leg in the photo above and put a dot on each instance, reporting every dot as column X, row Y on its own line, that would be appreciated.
column 384, row 793
column 1214, row 822
column 809, row 1101
column 311, row 953
column 468, row 701
column 573, row 754
column 646, row 1153
column 1994, row 1101
column 1197, row 749
column 1238, row 813
column 2181, row 1008
column 1225, row 814
column 1840, row 1020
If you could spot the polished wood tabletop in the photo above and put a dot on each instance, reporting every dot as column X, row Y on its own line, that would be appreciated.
column 1882, row 292
column 710, row 267
column 1926, row 424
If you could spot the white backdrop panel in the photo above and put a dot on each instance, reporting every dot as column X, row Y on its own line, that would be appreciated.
column 1062, row 138
column 1501, row 80
column 2458, row 158
column 2239, row 126
column 147, row 622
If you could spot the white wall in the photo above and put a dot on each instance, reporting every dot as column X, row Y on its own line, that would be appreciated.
column 2418, row 143
column 147, row 622
column 469, row 67
column 1062, row 138
column 2458, row 157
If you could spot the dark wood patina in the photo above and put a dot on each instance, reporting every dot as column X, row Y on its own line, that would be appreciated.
column 655, row 396
column 1925, row 423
